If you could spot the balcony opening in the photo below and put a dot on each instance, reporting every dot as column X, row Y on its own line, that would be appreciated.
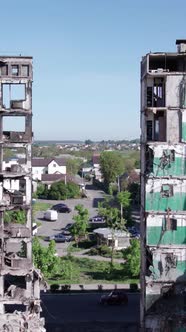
column 156, row 93
column 160, row 126
column 12, row 93
column 156, row 126
column 14, row 160
column 16, row 129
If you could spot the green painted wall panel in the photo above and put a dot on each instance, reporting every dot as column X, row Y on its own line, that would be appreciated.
column 155, row 202
column 183, row 131
column 156, row 236
column 177, row 167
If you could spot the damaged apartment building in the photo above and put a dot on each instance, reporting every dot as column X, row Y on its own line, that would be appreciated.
column 163, row 190
column 19, row 281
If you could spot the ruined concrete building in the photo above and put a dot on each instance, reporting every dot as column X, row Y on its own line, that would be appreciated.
column 19, row 281
column 163, row 190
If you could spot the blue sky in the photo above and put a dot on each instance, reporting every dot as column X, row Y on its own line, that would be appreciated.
column 87, row 60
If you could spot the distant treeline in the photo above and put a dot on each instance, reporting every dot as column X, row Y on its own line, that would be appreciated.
column 54, row 142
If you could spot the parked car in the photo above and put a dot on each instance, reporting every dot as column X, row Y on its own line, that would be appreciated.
column 57, row 238
column 61, row 208
column 50, row 215
column 98, row 219
column 66, row 229
column 115, row 297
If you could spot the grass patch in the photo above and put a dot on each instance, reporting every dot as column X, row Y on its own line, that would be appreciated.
column 41, row 206
column 85, row 270
column 104, row 251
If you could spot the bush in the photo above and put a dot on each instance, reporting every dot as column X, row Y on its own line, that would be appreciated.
column 93, row 252
column 62, row 191
column 18, row 217
column 72, row 190
column 65, row 288
column 104, row 250
column 133, row 287
column 100, row 288
column 54, row 287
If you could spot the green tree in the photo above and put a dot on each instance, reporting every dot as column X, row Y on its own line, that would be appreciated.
column 45, row 258
column 79, row 228
column 111, row 166
column 73, row 166
column 73, row 190
column 88, row 142
column 41, row 191
column 132, row 256
column 69, row 270
column 61, row 191
column 58, row 191
column 113, row 221
column 124, row 200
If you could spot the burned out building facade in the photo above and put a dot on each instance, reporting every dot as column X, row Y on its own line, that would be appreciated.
column 19, row 281
column 163, row 190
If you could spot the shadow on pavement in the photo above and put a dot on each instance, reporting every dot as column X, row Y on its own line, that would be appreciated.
column 96, row 201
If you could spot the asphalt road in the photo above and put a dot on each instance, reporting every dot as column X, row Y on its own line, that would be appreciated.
column 55, row 227
column 76, row 308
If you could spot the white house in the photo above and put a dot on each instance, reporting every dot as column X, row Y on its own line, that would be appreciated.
column 96, row 167
column 42, row 166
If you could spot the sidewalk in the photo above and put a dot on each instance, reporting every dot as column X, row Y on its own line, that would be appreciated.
column 82, row 254
column 94, row 287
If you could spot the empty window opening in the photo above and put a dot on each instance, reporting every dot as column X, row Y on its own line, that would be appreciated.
column 156, row 93
column 22, row 186
column 170, row 262
column 166, row 63
column 14, row 251
column 18, row 281
column 14, row 159
column 15, row 70
column 3, row 69
column 167, row 190
column 149, row 160
column 25, row 70
column 11, row 93
column 160, row 126
column 172, row 155
column 12, row 123
column 149, row 261
column 149, row 96
column 11, row 308
column 149, row 130
column 16, row 216
column 167, row 157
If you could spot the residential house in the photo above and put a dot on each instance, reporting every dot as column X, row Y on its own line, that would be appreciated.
column 48, row 166
column 96, row 167
column 107, row 236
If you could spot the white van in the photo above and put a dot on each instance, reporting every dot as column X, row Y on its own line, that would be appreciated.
column 51, row 215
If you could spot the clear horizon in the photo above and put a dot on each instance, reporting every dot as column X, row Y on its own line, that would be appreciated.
column 87, row 61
